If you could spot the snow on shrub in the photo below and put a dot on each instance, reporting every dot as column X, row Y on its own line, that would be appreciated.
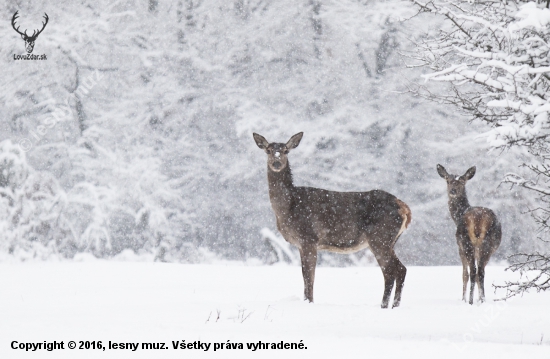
column 30, row 211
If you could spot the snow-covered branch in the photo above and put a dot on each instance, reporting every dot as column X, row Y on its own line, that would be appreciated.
column 538, row 265
column 495, row 57
column 517, row 180
column 502, row 52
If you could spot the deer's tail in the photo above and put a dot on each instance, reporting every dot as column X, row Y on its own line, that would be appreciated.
column 405, row 213
column 478, row 222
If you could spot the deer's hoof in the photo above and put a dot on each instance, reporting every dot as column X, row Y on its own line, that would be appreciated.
column 395, row 305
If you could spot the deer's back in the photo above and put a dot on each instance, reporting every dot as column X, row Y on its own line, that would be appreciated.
column 343, row 221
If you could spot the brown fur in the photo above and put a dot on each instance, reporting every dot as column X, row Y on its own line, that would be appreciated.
column 478, row 232
column 314, row 219
column 478, row 221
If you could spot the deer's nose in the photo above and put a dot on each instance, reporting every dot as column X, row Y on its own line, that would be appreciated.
column 276, row 164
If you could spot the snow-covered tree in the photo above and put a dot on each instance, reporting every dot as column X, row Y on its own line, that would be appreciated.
column 494, row 56
column 31, row 206
column 143, row 114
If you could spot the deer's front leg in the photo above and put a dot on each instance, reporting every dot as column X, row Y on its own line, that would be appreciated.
column 308, row 254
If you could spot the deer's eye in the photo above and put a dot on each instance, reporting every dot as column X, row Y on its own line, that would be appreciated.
column 268, row 152
column 285, row 152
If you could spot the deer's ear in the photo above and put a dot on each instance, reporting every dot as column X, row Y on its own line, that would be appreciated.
column 470, row 173
column 442, row 171
column 260, row 141
column 294, row 141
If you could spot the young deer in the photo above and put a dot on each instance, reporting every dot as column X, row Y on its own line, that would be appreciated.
column 478, row 232
column 315, row 219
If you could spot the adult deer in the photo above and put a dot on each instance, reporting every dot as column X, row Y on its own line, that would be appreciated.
column 315, row 219
column 478, row 232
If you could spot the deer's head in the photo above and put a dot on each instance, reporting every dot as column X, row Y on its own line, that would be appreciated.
column 277, row 159
column 29, row 40
column 456, row 185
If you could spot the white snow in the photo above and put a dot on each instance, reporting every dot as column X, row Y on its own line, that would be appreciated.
column 531, row 15
column 154, row 302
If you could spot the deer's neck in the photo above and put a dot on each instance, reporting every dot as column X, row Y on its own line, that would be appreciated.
column 281, row 189
column 457, row 207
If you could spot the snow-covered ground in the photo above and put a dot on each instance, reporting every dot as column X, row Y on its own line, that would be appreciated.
column 126, row 302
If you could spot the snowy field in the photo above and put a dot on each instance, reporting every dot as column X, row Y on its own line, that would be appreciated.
column 125, row 302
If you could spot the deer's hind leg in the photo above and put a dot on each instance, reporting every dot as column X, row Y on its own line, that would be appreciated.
column 473, row 274
column 388, row 262
column 400, row 273
column 489, row 246
column 487, row 249
column 482, row 262
column 465, row 273
column 389, row 280
column 466, row 251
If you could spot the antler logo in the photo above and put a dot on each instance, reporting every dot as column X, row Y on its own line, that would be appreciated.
column 29, row 40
